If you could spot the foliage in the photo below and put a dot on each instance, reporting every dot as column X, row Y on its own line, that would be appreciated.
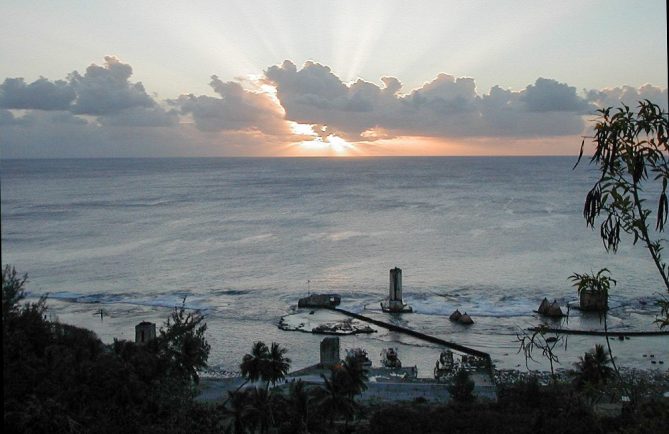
column 259, row 409
column 351, row 377
column 269, row 365
column 593, row 368
column 337, row 397
column 300, row 405
column 61, row 378
column 234, row 414
column 182, row 343
column 564, row 415
column 539, row 340
column 631, row 157
column 462, row 388
column 598, row 283
column 12, row 291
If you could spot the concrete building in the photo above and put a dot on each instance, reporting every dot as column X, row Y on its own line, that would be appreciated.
column 329, row 352
column 144, row 332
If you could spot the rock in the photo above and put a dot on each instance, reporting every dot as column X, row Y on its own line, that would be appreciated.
column 543, row 307
column 554, row 310
column 455, row 316
column 465, row 319
column 621, row 338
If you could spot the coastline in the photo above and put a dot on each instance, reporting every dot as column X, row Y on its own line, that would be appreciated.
column 231, row 339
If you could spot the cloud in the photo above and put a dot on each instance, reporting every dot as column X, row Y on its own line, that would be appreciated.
column 235, row 109
column 551, row 96
column 41, row 94
column 447, row 106
column 6, row 117
column 141, row 117
column 102, row 112
column 106, row 89
column 628, row 95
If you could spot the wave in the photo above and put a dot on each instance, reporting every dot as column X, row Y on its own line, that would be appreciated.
column 161, row 300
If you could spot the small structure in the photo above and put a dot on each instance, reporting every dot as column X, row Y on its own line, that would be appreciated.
column 144, row 332
column 320, row 300
column 594, row 300
column 394, row 302
column 389, row 358
column 329, row 352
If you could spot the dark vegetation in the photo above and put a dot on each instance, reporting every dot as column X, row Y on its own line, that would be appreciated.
column 631, row 151
column 63, row 379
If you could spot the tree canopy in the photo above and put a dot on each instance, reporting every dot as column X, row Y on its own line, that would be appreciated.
column 630, row 153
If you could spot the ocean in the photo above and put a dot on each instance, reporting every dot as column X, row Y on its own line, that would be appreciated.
column 242, row 239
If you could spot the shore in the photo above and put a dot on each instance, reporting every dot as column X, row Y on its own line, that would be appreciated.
column 230, row 339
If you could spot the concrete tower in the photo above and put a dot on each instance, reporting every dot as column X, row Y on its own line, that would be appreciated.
column 395, row 285
column 394, row 302
column 144, row 332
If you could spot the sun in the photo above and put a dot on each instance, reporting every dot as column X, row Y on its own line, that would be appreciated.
column 323, row 143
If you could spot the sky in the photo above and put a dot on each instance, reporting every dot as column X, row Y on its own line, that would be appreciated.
column 320, row 77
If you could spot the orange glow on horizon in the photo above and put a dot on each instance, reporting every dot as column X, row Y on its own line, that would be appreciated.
column 415, row 146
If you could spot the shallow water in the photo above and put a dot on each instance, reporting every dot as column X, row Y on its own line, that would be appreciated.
column 243, row 239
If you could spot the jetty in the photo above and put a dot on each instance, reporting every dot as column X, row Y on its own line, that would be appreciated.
column 600, row 333
column 416, row 334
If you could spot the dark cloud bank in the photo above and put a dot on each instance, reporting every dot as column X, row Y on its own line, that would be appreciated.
column 103, row 113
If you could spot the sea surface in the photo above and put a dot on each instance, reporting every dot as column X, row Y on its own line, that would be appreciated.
column 242, row 239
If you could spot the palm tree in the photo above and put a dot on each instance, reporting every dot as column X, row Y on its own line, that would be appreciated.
column 347, row 379
column 253, row 365
column 260, row 408
column 353, row 377
column 266, row 364
column 335, row 398
column 298, row 405
column 593, row 367
column 236, row 414
column 277, row 365
column 462, row 387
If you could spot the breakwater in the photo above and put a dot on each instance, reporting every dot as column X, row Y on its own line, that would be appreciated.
column 419, row 335
column 600, row 333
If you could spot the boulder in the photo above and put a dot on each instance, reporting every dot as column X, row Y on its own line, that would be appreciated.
column 466, row 319
column 554, row 310
column 455, row 316
column 543, row 307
